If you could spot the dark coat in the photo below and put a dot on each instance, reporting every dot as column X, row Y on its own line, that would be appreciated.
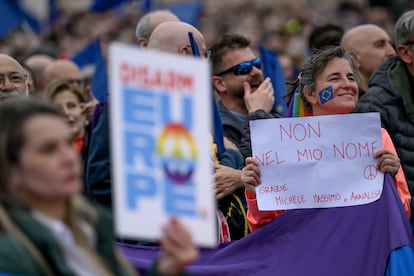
column 16, row 259
column 391, row 94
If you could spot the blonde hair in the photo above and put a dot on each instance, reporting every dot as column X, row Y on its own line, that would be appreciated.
column 57, row 86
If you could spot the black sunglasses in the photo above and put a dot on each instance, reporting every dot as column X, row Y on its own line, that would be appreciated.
column 243, row 68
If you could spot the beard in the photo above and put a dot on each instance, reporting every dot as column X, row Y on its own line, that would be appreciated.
column 5, row 95
column 254, row 83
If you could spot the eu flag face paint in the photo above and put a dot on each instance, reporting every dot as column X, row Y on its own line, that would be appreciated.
column 326, row 94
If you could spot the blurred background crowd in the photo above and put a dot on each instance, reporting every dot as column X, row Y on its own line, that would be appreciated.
column 63, row 28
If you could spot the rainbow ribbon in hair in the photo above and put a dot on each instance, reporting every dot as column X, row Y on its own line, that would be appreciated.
column 296, row 106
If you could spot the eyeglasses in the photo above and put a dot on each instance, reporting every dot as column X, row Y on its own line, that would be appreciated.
column 206, row 55
column 15, row 78
column 243, row 68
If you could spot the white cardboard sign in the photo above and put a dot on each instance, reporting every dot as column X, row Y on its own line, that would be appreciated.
column 160, row 108
column 317, row 161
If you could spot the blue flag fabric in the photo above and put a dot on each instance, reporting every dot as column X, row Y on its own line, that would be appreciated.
column 401, row 262
column 92, row 55
column 146, row 6
column 86, row 56
column 187, row 12
column 11, row 16
column 273, row 70
column 102, row 5
column 99, row 86
column 355, row 240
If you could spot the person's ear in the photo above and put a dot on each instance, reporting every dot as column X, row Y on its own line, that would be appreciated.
column 355, row 56
column 28, row 89
column 185, row 50
column 310, row 95
column 142, row 42
column 402, row 51
column 219, row 84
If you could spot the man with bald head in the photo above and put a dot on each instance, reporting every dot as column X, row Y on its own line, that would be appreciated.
column 391, row 93
column 173, row 37
column 13, row 79
column 37, row 64
column 63, row 69
column 370, row 46
column 149, row 22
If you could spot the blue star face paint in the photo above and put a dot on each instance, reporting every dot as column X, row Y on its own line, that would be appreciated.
column 326, row 94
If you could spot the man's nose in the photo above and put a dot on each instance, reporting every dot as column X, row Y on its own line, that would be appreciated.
column 7, row 84
column 390, row 51
column 256, row 70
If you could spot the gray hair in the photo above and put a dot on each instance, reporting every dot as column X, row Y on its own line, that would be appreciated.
column 404, row 28
column 149, row 22
column 143, row 28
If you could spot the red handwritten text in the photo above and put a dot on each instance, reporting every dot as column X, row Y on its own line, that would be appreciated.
column 268, row 158
column 299, row 131
column 309, row 154
column 354, row 150
column 273, row 189
column 324, row 198
column 156, row 78
column 288, row 200
column 365, row 195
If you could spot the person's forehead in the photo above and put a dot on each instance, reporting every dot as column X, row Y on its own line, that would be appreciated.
column 336, row 65
column 9, row 65
column 235, row 56
column 373, row 35
column 43, row 127
column 65, row 95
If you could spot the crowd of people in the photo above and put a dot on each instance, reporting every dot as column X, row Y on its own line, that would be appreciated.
column 55, row 164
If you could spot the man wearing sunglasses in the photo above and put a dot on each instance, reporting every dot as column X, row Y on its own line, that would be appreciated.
column 243, row 93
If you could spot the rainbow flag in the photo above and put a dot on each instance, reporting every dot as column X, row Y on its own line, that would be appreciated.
column 296, row 106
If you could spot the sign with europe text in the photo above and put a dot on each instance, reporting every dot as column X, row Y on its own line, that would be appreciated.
column 317, row 161
column 160, row 107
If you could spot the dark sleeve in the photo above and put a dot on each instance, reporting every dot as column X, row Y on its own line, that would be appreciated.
column 98, row 173
column 245, row 144
column 232, row 158
column 374, row 100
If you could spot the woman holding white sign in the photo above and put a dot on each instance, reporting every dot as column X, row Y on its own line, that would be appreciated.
column 328, row 85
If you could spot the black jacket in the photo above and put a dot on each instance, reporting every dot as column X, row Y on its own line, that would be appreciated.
column 391, row 94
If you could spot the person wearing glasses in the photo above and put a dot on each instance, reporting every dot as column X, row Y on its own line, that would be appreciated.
column 243, row 95
column 370, row 46
column 242, row 91
column 13, row 80
column 391, row 92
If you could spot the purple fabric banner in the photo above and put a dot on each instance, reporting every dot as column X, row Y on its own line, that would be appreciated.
column 335, row 241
